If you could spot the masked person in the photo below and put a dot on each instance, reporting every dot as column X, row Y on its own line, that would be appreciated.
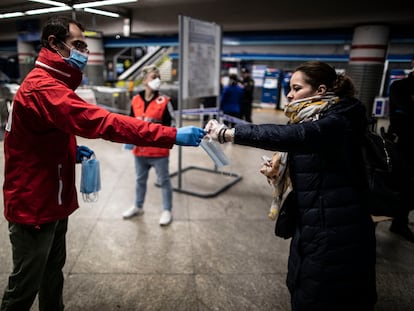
column 149, row 105
column 40, row 154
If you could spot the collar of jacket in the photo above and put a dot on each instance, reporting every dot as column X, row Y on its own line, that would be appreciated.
column 56, row 66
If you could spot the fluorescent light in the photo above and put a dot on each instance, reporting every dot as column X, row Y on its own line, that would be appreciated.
column 100, row 3
column 100, row 12
column 55, row 3
column 59, row 7
column 10, row 15
column 48, row 10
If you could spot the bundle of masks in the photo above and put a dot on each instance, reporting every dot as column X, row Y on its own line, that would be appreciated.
column 90, row 183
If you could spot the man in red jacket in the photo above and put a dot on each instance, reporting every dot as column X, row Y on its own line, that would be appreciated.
column 40, row 155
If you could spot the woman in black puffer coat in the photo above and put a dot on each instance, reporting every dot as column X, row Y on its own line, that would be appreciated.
column 332, row 253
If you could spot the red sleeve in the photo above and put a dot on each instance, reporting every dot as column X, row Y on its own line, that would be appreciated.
column 65, row 110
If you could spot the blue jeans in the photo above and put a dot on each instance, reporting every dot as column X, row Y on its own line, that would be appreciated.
column 142, row 167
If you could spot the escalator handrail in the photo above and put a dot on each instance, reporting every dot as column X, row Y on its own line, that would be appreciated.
column 140, row 63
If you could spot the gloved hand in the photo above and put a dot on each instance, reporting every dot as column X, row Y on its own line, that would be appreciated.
column 128, row 146
column 189, row 136
column 83, row 152
column 213, row 128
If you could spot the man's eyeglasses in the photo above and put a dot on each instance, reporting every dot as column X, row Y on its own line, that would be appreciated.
column 80, row 46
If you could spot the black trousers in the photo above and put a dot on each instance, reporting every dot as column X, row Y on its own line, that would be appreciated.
column 406, row 179
column 39, row 255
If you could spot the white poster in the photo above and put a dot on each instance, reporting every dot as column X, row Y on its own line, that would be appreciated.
column 201, row 58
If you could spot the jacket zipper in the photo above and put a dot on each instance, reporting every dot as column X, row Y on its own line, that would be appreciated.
column 60, row 184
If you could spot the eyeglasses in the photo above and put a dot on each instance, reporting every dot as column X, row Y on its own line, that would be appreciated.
column 80, row 46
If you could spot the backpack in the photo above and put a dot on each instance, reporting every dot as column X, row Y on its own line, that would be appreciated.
column 382, row 172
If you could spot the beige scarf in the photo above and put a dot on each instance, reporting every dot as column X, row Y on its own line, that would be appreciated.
column 276, row 169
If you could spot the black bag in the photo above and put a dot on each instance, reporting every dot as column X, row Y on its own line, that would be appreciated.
column 382, row 166
column 287, row 218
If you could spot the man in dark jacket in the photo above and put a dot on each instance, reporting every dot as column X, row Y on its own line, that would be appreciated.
column 248, row 93
column 40, row 154
column 401, row 117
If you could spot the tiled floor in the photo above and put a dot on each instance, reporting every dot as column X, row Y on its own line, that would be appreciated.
column 219, row 253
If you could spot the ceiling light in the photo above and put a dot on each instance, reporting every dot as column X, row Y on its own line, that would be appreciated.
column 100, row 3
column 55, row 3
column 59, row 7
column 48, row 10
column 100, row 12
column 10, row 15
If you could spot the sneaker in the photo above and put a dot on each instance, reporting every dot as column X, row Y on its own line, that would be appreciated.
column 133, row 211
column 166, row 218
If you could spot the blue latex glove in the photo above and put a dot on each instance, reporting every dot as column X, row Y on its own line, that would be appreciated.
column 128, row 146
column 189, row 136
column 83, row 152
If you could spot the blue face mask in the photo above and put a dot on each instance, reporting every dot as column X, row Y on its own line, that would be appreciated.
column 77, row 59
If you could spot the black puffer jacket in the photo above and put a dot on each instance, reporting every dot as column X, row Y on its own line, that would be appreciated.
column 332, row 253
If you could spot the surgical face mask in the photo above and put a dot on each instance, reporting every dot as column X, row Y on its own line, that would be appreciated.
column 155, row 84
column 76, row 58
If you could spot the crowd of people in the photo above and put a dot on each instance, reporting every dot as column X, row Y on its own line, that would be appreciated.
column 331, row 263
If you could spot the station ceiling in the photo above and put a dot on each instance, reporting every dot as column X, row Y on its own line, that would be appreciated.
column 154, row 17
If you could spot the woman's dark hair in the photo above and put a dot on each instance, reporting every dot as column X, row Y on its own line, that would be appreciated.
column 317, row 73
column 59, row 27
column 233, row 79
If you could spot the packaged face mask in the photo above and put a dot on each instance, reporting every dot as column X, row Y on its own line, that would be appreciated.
column 90, row 183
column 215, row 152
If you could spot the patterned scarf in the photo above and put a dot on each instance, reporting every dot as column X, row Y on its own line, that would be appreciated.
column 309, row 109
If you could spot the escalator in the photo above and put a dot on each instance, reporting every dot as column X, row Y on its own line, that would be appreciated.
column 117, row 99
column 154, row 57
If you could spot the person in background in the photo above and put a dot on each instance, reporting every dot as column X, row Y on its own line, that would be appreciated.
column 149, row 105
column 208, row 102
column 248, row 95
column 332, row 252
column 40, row 153
column 401, row 104
column 230, row 99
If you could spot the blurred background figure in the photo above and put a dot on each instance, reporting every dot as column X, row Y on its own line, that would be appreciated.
column 401, row 103
column 248, row 95
column 231, row 97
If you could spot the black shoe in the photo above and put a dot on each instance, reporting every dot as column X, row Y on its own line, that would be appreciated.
column 403, row 230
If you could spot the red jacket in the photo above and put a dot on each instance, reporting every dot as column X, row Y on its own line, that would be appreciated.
column 153, row 113
column 40, row 141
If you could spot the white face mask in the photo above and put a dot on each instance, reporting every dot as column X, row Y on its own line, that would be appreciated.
column 155, row 84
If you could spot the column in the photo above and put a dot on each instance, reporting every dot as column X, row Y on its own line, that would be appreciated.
column 94, row 71
column 366, row 61
column 26, row 55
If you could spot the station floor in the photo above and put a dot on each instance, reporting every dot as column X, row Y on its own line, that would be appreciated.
column 219, row 253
